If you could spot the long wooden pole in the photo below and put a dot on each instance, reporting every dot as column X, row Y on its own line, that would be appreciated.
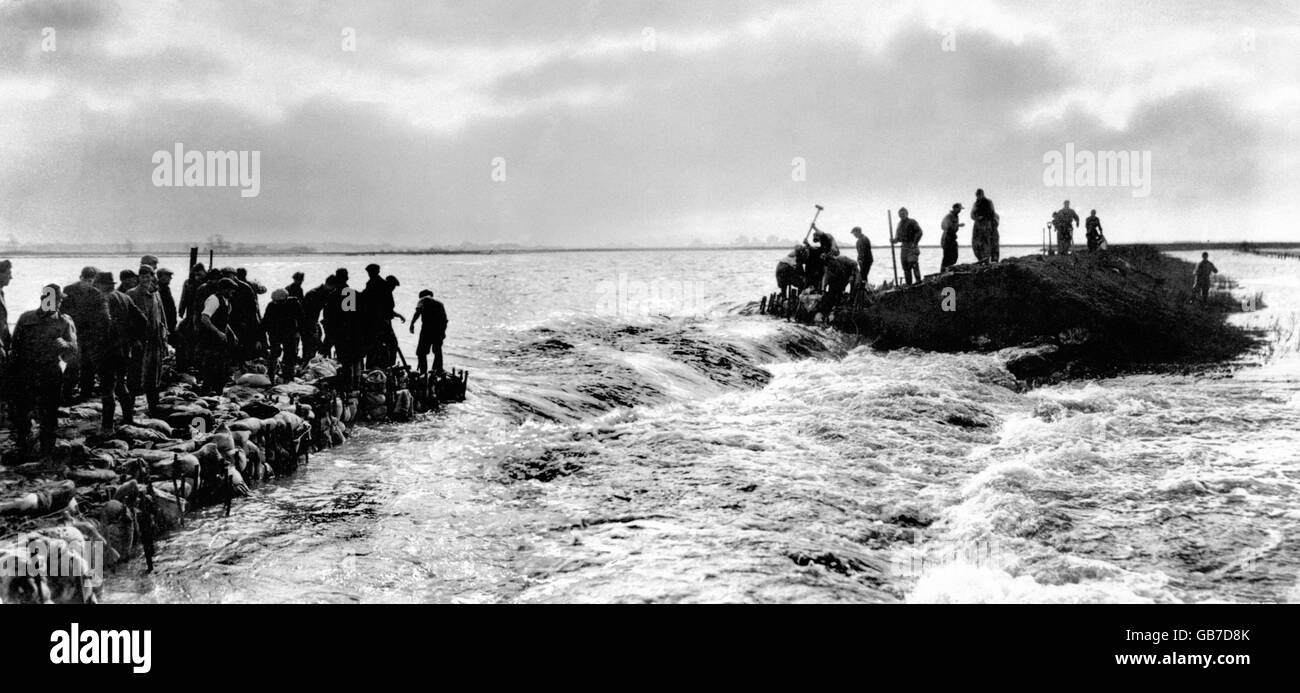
column 889, row 216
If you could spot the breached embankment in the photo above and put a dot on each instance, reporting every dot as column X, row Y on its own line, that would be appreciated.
column 102, row 500
column 1126, row 309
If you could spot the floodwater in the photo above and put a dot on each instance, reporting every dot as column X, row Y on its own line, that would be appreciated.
column 631, row 436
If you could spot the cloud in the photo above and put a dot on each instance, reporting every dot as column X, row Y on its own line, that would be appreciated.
column 607, row 142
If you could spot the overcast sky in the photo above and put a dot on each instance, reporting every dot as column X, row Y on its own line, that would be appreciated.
column 606, row 141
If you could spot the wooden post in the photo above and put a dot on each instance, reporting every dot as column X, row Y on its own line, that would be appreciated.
column 194, row 258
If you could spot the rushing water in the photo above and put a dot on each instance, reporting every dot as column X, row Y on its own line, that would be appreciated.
column 631, row 435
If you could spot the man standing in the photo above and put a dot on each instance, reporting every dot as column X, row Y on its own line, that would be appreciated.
column 984, row 235
column 89, row 312
column 216, row 339
column 865, row 259
column 41, row 338
column 283, row 322
column 125, row 327
column 432, row 332
column 147, row 356
column 908, row 234
column 6, row 340
column 295, row 289
column 948, row 241
column 313, row 302
column 1093, row 231
column 1064, row 221
column 168, row 301
column 1204, row 270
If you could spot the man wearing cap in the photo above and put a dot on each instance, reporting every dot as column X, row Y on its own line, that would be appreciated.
column 432, row 332
column 168, row 301
column 865, row 258
column 948, row 241
column 125, row 327
column 127, row 280
column 42, row 337
column 908, row 234
column 148, row 354
column 283, row 323
column 89, row 312
column 295, row 288
column 984, row 235
column 1064, row 220
column 216, row 339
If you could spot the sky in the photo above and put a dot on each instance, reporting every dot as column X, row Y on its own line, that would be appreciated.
column 587, row 123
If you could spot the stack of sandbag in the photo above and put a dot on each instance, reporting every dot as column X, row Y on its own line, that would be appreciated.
column 374, row 395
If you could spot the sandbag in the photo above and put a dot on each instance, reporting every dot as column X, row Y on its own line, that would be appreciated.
column 160, row 426
column 257, row 380
column 90, row 477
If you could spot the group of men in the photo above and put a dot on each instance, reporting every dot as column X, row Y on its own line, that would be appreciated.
column 816, row 265
column 112, row 337
column 1064, row 222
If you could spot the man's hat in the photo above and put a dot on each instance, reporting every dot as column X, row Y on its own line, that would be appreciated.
column 104, row 278
column 228, row 271
column 126, row 274
column 392, row 281
column 227, row 283
column 857, row 231
column 164, row 272
column 298, row 275
column 372, row 268
column 279, row 295
column 425, row 293
column 149, row 260
column 956, row 207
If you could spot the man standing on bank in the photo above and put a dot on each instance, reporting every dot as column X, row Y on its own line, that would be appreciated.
column 865, row 259
column 948, row 241
column 909, row 235
column 432, row 332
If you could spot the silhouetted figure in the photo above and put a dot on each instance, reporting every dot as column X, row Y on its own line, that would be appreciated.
column 295, row 288
column 217, row 341
column 432, row 332
column 1204, row 271
column 148, row 353
column 126, row 325
column 313, row 303
column 984, row 235
column 865, row 259
column 89, row 312
column 789, row 271
column 840, row 272
column 168, row 301
column 283, row 322
column 1064, row 220
column 1093, row 231
column 41, row 338
column 948, row 241
column 908, row 234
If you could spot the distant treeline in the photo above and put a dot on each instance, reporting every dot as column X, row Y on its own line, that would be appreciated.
column 1270, row 250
